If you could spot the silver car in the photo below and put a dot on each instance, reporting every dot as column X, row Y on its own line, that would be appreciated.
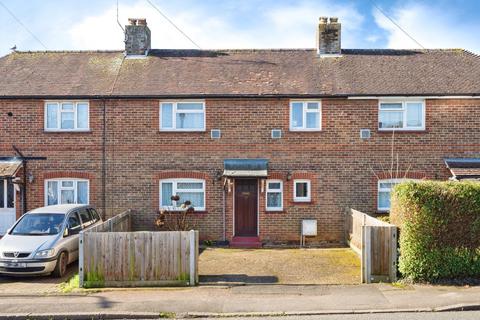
column 45, row 240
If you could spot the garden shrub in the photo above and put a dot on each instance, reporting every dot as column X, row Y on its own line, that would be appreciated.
column 439, row 229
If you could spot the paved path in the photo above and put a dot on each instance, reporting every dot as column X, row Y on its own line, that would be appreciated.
column 279, row 266
column 253, row 298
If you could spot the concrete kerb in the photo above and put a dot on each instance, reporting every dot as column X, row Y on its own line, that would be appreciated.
column 86, row 315
column 194, row 315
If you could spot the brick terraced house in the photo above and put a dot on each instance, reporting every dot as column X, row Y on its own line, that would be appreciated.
column 257, row 140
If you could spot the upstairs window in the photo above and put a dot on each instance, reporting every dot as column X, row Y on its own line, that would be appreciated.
column 305, row 116
column 401, row 115
column 274, row 195
column 64, row 191
column 66, row 116
column 192, row 190
column 182, row 116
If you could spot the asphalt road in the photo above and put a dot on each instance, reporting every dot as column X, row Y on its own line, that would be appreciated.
column 464, row 315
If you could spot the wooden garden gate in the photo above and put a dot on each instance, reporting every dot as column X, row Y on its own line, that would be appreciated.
column 376, row 243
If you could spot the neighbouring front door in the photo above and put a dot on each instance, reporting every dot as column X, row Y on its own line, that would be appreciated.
column 246, row 206
column 7, row 205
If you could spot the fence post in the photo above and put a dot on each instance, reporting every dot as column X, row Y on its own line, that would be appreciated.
column 393, row 254
column 129, row 221
column 366, row 254
column 80, row 259
column 193, row 276
column 197, row 244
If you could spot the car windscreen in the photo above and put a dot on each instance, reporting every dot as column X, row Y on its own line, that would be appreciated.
column 39, row 224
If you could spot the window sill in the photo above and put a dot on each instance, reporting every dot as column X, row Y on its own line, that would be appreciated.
column 305, row 130
column 275, row 211
column 402, row 131
column 297, row 202
column 183, row 210
column 182, row 131
column 67, row 131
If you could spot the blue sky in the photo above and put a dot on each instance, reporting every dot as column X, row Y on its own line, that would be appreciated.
column 81, row 25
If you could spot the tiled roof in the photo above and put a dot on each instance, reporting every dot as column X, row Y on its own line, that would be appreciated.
column 289, row 72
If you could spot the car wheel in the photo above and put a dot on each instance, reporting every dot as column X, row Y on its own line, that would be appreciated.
column 61, row 266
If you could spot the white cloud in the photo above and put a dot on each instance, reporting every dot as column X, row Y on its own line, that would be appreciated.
column 280, row 27
column 102, row 31
column 433, row 27
column 296, row 25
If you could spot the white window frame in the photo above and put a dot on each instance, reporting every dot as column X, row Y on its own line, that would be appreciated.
column 309, row 190
column 268, row 190
column 305, row 111
column 5, row 195
column 59, row 116
column 396, row 181
column 175, row 190
column 60, row 188
column 404, row 111
column 174, row 116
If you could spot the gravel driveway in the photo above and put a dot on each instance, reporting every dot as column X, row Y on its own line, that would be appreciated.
column 282, row 266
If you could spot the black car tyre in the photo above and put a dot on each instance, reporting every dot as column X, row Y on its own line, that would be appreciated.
column 61, row 266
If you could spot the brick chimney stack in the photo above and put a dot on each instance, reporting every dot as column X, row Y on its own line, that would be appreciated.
column 329, row 37
column 137, row 37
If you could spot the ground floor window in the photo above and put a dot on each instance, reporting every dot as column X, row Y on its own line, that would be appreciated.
column 384, row 189
column 63, row 191
column 274, row 195
column 7, row 194
column 192, row 190
column 301, row 190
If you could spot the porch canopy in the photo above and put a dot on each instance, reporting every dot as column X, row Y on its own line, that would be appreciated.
column 9, row 167
column 245, row 168
column 464, row 168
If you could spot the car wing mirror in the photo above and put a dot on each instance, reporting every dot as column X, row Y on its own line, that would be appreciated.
column 66, row 233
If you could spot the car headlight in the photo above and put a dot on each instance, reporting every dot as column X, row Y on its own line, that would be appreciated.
column 45, row 253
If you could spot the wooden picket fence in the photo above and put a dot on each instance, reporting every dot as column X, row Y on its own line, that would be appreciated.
column 376, row 243
column 112, row 256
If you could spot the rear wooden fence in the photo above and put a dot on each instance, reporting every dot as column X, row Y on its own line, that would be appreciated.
column 112, row 256
column 376, row 242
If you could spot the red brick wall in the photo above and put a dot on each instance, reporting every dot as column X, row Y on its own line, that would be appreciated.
column 342, row 167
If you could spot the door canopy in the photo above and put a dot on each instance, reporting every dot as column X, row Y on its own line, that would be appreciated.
column 245, row 168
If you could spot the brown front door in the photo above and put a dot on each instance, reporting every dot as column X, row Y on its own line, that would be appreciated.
column 246, row 204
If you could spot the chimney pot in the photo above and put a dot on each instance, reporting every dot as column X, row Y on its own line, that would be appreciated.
column 137, row 37
column 329, row 37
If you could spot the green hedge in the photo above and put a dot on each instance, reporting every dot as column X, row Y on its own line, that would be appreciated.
column 439, row 229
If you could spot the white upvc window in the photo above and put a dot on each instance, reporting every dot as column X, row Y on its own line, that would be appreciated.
column 192, row 190
column 182, row 116
column 401, row 115
column 67, row 116
column 66, row 190
column 274, row 195
column 384, row 192
column 301, row 190
column 305, row 115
